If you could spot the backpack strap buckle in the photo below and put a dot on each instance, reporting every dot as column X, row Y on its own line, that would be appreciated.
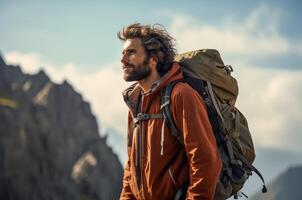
column 146, row 116
column 142, row 116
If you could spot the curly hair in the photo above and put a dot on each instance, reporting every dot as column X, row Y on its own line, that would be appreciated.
column 156, row 41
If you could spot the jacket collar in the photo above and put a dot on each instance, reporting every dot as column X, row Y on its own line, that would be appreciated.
column 132, row 93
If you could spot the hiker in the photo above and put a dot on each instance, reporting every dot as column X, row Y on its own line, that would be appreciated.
column 161, row 166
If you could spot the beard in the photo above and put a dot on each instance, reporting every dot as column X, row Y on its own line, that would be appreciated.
column 136, row 72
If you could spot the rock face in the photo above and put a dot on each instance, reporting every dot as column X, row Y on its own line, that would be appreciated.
column 50, row 147
column 286, row 187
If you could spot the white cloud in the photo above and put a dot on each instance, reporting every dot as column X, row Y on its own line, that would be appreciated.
column 257, row 34
column 268, row 97
column 30, row 60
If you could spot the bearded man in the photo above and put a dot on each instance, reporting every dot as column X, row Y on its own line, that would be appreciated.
column 159, row 166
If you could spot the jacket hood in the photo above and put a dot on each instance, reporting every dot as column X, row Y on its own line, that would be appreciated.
column 132, row 93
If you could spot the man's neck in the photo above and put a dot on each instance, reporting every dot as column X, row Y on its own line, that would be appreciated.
column 147, row 82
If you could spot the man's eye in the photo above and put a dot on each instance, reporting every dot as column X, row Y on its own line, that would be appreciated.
column 131, row 52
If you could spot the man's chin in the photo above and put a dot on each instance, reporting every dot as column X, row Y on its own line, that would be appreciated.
column 129, row 79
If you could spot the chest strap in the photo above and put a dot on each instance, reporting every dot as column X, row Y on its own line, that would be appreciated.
column 146, row 116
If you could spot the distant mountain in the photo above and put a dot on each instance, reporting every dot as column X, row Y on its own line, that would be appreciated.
column 270, row 162
column 50, row 147
column 287, row 186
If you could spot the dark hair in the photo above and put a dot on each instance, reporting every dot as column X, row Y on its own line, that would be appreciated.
column 156, row 40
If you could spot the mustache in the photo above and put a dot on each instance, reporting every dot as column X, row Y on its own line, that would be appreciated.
column 127, row 65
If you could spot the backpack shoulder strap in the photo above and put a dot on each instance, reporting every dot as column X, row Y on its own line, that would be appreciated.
column 166, row 109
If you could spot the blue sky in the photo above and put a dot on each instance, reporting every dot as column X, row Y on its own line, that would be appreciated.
column 76, row 40
column 85, row 31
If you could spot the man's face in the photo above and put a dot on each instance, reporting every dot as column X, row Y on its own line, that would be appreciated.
column 134, row 60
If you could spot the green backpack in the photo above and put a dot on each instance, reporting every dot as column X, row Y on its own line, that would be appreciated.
column 205, row 71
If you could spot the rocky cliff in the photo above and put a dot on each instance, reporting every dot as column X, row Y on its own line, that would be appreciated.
column 50, row 147
column 287, row 186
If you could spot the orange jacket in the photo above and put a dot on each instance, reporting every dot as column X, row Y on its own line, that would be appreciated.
column 158, row 165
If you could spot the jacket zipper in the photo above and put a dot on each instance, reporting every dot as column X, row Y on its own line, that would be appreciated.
column 141, row 159
column 138, row 170
column 139, row 149
column 142, row 152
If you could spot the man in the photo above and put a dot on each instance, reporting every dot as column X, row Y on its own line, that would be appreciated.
column 158, row 164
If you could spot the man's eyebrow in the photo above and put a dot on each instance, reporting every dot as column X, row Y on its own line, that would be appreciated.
column 129, row 50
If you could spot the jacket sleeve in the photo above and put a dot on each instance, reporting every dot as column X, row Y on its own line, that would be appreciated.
column 126, row 193
column 200, row 145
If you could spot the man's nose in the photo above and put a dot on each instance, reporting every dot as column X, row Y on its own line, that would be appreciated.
column 123, row 59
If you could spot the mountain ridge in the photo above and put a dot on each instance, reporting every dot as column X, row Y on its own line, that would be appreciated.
column 285, row 186
column 50, row 147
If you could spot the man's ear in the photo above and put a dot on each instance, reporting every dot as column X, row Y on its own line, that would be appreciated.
column 153, row 61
